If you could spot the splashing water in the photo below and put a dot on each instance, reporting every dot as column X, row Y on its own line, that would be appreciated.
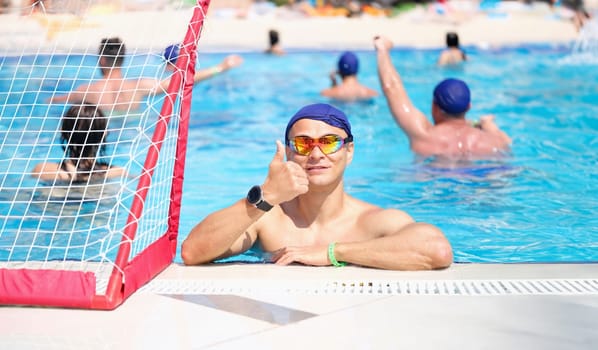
column 585, row 48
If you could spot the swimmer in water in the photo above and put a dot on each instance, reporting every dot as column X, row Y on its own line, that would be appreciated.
column 453, row 54
column 115, row 92
column 83, row 133
column 349, row 88
column 451, row 135
column 275, row 47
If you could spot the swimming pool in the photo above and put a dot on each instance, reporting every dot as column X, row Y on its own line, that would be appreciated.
column 537, row 206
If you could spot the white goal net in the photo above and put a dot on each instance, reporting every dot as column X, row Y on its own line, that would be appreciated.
column 92, row 145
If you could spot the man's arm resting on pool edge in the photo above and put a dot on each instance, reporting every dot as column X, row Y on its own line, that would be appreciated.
column 399, row 244
column 219, row 236
column 418, row 246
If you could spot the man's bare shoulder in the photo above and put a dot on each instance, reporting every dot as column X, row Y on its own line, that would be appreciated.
column 463, row 140
column 376, row 214
column 148, row 83
column 349, row 93
column 330, row 92
column 451, row 56
column 381, row 220
column 141, row 84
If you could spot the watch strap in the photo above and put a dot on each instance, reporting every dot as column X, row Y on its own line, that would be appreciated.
column 263, row 205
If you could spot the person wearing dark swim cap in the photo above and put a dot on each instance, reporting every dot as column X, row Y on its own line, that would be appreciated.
column 451, row 135
column 349, row 88
column 115, row 92
column 453, row 54
column 302, row 214
column 171, row 54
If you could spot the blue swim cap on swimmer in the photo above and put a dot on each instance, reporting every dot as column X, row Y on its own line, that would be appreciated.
column 452, row 96
column 322, row 112
column 348, row 64
column 171, row 53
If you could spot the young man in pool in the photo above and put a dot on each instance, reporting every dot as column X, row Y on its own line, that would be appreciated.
column 349, row 88
column 114, row 92
column 451, row 135
column 302, row 214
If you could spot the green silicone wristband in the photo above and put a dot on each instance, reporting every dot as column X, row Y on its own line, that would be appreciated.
column 331, row 256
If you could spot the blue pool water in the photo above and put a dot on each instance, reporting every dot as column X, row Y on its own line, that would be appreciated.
column 539, row 205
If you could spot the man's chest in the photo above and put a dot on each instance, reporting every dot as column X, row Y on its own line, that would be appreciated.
column 291, row 235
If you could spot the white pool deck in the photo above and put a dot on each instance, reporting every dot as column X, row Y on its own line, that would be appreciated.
column 264, row 306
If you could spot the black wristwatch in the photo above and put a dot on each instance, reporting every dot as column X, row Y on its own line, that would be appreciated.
column 254, row 197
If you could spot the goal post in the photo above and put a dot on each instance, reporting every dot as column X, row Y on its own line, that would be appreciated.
column 90, row 238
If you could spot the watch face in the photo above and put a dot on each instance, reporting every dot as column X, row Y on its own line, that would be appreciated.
column 254, row 195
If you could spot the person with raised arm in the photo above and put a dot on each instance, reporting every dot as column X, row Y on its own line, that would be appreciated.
column 450, row 135
column 114, row 92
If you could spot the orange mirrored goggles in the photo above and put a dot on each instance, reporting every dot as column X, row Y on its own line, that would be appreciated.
column 328, row 144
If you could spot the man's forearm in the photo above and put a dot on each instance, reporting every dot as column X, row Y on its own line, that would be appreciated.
column 378, row 253
column 389, row 77
column 207, row 73
column 418, row 247
column 216, row 234
column 407, row 116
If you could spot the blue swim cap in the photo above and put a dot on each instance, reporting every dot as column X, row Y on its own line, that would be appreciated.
column 322, row 112
column 171, row 53
column 452, row 96
column 348, row 64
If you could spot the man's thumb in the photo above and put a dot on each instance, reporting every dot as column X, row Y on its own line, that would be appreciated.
column 279, row 156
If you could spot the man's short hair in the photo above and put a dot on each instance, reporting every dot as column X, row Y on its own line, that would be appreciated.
column 112, row 50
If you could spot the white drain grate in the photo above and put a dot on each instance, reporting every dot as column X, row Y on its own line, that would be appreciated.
column 377, row 287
